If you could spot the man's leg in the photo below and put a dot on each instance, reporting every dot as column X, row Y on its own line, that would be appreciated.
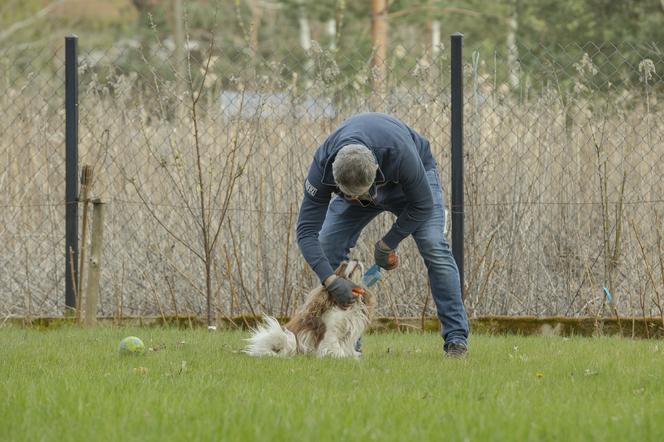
column 342, row 227
column 442, row 269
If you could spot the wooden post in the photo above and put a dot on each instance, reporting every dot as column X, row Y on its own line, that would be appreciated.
column 94, row 271
column 86, row 183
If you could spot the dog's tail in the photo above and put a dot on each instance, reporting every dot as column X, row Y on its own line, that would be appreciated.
column 271, row 339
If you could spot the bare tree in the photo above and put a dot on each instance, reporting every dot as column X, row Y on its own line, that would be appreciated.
column 205, row 195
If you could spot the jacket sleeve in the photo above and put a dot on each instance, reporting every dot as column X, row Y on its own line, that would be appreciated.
column 415, row 185
column 316, row 199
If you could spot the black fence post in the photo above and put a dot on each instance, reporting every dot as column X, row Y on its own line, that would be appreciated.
column 71, row 171
column 457, row 151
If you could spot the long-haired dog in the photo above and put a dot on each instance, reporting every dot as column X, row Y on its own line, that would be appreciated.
column 319, row 326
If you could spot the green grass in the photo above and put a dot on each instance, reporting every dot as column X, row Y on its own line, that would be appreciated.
column 71, row 384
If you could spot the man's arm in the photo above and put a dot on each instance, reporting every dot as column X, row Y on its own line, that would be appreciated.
column 413, row 180
column 312, row 215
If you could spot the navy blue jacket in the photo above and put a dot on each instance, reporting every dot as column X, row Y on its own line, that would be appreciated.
column 403, row 158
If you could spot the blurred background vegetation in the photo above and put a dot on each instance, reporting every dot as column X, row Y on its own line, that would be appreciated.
column 291, row 31
column 277, row 22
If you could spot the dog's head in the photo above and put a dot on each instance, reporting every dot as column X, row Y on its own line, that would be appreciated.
column 352, row 270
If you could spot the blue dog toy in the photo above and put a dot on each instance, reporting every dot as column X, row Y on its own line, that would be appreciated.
column 372, row 276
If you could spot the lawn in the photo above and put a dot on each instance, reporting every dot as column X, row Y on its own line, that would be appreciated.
column 71, row 384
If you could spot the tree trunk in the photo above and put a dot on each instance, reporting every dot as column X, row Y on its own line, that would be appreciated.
column 256, row 17
column 512, row 49
column 305, row 42
column 379, row 39
column 305, row 32
column 435, row 37
column 331, row 28
column 180, row 62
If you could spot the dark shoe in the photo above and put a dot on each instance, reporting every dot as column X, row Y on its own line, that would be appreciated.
column 456, row 350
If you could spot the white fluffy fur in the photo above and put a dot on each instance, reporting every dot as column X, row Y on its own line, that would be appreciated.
column 270, row 339
column 343, row 329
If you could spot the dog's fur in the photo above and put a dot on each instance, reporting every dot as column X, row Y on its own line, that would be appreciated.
column 319, row 326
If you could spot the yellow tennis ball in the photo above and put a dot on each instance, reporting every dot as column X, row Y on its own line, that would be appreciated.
column 131, row 345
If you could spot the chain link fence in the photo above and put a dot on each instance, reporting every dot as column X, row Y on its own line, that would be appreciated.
column 563, row 166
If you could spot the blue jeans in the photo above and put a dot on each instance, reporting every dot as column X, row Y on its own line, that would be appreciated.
column 344, row 223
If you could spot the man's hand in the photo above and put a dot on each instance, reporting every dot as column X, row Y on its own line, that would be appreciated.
column 343, row 291
column 385, row 257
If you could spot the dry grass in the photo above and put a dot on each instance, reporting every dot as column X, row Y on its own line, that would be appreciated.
column 544, row 181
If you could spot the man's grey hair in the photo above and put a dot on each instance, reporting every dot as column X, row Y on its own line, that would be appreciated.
column 354, row 169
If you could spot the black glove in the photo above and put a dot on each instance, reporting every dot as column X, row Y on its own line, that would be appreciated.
column 341, row 290
column 385, row 257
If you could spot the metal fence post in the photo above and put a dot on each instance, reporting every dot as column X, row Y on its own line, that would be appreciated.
column 71, row 171
column 457, row 151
